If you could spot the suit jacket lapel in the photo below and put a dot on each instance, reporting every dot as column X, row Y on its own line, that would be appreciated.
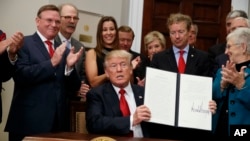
column 40, row 45
column 138, row 95
column 171, row 60
column 191, row 60
column 112, row 98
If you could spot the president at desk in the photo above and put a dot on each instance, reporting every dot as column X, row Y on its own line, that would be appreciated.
column 115, row 107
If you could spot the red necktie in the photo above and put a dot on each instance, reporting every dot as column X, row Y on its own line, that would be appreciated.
column 181, row 62
column 51, row 50
column 123, row 103
column 124, row 108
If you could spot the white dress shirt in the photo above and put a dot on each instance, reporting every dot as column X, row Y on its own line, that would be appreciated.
column 129, row 96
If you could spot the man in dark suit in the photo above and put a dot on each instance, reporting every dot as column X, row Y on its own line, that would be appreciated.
column 8, row 57
column 235, row 23
column 44, row 70
column 196, row 62
column 69, row 19
column 103, row 114
column 139, row 61
column 217, row 51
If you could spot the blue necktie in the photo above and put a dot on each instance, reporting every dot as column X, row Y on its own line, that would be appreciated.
column 68, row 44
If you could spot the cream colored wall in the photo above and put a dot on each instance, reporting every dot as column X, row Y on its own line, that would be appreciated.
column 240, row 5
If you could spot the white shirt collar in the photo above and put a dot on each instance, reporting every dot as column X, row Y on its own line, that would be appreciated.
column 176, row 50
column 43, row 38
column 128, row 89
column 62, row 38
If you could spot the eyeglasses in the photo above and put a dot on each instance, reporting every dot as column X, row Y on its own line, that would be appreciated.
column 69, row 18
column 229, row 46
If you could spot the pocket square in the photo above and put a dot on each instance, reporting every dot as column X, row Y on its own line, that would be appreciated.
column 140, row 97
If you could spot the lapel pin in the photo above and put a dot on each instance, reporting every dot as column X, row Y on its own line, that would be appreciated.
column 140, row 97
column 192, row 55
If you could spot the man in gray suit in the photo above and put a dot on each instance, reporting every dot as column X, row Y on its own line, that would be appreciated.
column 69, row 20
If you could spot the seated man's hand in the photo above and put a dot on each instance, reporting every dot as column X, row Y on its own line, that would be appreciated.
column 142, row 113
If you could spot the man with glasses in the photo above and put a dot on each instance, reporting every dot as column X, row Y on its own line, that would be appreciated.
column 235, row 23
column 44, row 72
column 69, row 19
column 180, row 58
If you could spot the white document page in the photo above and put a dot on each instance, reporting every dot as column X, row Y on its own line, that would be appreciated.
column 160, row 95
column 195, row 94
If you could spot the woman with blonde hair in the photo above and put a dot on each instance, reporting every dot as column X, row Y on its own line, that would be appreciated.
column 154, row 42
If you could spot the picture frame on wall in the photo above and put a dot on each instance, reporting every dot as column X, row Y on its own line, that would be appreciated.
column 87, row 27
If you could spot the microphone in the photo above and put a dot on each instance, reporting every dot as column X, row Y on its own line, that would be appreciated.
column 2, row 36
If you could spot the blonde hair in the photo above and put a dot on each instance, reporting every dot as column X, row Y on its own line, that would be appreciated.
column 178, row 17
column 151, row 36
column 117, row 53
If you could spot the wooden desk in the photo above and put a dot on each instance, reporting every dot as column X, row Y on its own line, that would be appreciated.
column 72, row 136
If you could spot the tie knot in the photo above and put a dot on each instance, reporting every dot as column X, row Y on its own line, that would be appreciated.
column 68, row 45
column 48, row 42
column 122, row 91
column 181, row 52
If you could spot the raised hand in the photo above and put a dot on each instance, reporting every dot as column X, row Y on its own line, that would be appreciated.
column 57, row 56
column 136, row 62
column 231, row 75
column 73, row 57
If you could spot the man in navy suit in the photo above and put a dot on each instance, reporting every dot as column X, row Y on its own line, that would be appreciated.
column 217, row 51
column 41, row 79
column 103, row 114
column 197, row 62
column 235, row 23
column 8, row 57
